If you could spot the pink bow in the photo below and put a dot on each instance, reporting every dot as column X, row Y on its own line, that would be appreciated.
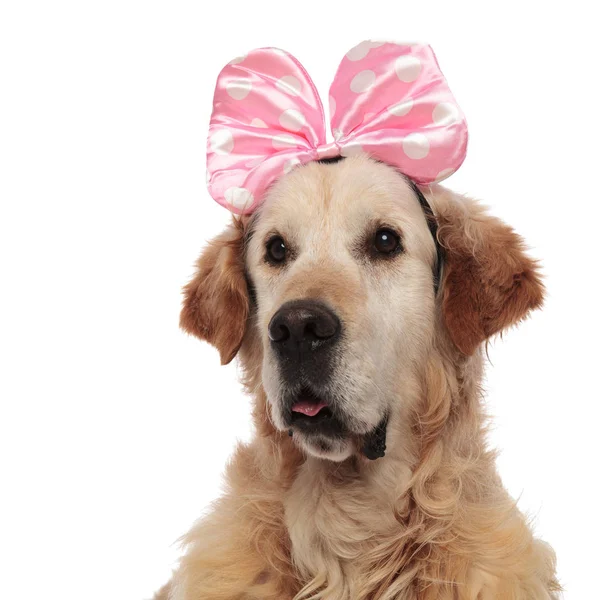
column 388, row 100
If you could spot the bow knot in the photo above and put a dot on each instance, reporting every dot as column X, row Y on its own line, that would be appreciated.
column 330, row 150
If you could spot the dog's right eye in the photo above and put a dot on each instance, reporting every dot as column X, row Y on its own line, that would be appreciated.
column 276, row 250
column 386, row 241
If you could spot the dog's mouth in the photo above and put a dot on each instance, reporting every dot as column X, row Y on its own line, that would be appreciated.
column 313, row 416
column 312, row 412
column 310, row 408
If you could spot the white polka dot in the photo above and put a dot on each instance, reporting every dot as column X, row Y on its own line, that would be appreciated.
column 238, row 89
column 290, row 164
column 415, row 145
column 338, row 134
column 445, row 113
column 292, row 119
column 362, row 81
column 332, row 106
column 408, row 68
column 284, row 141
column 351, row 149
column 238, row 59
column 258, row 123
column 402, row 108
column 443, row 174
column 221, row 142
column 239, row 197
column 290, row 85
column 359, row 51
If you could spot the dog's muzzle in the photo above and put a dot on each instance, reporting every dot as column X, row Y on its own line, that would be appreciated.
column 304, row 335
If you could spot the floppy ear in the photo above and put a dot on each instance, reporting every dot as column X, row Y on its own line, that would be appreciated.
column 216, row 302
column 488, row 283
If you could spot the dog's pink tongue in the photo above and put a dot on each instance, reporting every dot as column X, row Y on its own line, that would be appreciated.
column 310, row 409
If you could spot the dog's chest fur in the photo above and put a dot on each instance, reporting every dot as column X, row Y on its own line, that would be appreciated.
column 335, row 515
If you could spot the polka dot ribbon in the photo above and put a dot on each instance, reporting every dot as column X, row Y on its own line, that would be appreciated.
column 388, row 100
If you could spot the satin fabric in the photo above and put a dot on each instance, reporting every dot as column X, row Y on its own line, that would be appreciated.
column 388, row 100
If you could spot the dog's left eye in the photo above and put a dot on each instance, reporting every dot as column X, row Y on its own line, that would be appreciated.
column 386, row 241
column 276, row 250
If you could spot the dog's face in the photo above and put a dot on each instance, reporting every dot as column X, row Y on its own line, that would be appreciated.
column 333, row 278
column 342, row 263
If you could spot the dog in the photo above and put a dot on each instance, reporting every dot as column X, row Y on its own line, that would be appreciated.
column 360, row 305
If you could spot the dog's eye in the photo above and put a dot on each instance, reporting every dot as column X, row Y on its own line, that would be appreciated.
column 386, row 241
column 276, row 250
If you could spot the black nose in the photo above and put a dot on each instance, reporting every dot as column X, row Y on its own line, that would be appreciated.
column 303, row 323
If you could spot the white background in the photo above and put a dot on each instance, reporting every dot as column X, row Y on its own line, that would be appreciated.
column 115, row 426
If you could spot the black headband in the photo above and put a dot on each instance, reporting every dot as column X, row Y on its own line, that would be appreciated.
column 433, row 228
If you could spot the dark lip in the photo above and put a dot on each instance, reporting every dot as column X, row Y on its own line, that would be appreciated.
column 323, row 415
column 325, row 422
column 307, row 394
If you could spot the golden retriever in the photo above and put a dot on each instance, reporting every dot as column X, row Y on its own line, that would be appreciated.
column 359, row 306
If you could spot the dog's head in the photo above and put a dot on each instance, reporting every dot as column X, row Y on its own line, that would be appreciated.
column 335, row 280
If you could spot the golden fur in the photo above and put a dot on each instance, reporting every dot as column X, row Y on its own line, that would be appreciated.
column 431, row 519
